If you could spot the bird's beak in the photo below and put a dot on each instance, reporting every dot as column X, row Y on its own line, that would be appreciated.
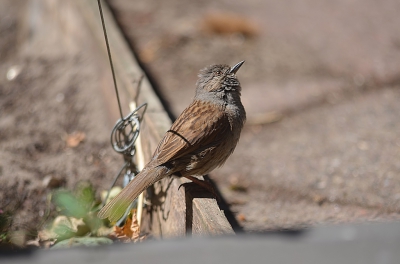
column 235, row 68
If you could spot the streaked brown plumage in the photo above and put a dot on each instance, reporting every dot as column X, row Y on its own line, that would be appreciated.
column 201, row 139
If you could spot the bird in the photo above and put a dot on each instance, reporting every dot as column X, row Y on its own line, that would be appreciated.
column 200, row 140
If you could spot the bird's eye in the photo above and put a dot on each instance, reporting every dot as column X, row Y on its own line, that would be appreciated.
column 218, row 73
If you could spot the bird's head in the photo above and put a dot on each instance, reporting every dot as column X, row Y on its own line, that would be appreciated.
column 217, row 79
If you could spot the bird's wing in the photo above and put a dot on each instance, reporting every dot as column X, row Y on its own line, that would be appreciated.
column 199, row 126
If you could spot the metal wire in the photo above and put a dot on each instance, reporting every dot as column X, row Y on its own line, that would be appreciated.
column 123, row 138
column 126, row 130
column 109, row 56
column 112, row 185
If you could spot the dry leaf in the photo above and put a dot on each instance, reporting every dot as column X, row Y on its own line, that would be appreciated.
column 129, row 232
column 222, row 23
column 75, row 139
column 52, row 182
column 39, row 242
column 147, row 54
column 241, row 217
column 33, row 243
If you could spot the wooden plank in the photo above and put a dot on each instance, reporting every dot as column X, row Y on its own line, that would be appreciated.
column 173, row 211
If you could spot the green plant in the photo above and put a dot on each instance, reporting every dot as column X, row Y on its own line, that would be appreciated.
column 78, row 213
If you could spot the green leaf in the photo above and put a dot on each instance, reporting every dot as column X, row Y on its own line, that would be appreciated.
column 83, row 241
column 70, row 205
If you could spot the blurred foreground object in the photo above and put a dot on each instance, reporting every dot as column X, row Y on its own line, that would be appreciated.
column 364, row 244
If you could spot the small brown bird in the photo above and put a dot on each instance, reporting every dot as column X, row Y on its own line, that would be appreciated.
column 201, row 139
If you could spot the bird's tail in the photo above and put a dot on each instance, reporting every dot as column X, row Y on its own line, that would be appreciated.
column 116, row 208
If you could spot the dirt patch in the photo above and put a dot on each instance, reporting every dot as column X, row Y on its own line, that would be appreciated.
column 44, row 99
column 320, row 90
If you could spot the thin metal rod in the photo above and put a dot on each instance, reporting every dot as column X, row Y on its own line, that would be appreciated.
column 112, row 185
column 109, row 56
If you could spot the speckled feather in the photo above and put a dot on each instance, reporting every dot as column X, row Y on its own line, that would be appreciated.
column 200, row 126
